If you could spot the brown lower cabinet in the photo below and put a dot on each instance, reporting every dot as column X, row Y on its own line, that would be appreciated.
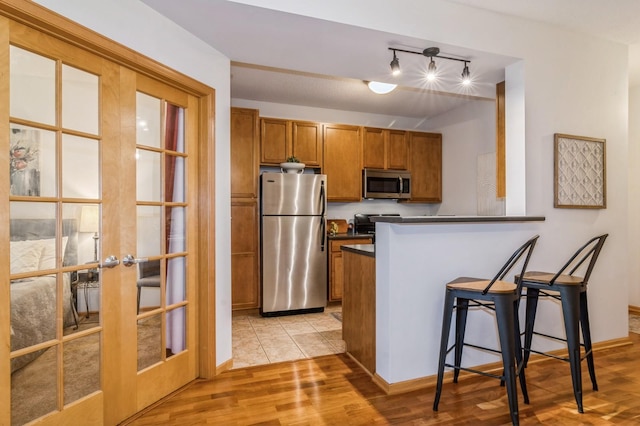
column 245, row 254
column 336, row 267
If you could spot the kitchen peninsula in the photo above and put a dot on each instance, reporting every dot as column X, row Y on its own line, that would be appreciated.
column 414, row 257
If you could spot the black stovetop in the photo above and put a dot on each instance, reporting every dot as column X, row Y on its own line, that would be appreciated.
column 363, row 225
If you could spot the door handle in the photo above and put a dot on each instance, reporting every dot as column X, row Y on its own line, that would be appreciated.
column 129, row 260
column 109, row 262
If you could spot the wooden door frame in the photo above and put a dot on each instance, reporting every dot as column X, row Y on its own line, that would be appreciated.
column 51, row 23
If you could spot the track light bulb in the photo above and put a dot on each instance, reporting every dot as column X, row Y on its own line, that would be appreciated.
column 395, row 65
column 466, row 75
column 431, row 71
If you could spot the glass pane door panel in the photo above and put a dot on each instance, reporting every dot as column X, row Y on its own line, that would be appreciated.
column 148, row 175
column 174, row 191
column 149, row 341
column 32, row 86
column 81, row 367
column 149, row 232
column 34, row 387
column 176, row 271
column 79, row 100
column 176, row 232
column 86, row 218
column 176, row 331
column 32, row 161
column 149, row 120
column 80, row 167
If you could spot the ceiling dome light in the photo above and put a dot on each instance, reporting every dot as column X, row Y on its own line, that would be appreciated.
column 381, row 88
column 395, row 65
column 466, row 75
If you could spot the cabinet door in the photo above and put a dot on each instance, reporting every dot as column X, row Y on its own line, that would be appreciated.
column 336, row 269
column 307, row 143
column 374, row 148
column 426, row 167
column 343, row 162
column 245, row 283
column 244, row 152
column 337, row 279
column 397, row 150
column 275, row 141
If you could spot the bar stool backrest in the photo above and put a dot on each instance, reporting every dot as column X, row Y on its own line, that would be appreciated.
column 524, row 250
column 590, row 251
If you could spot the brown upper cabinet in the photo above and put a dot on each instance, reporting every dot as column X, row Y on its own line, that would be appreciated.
column 280, row 139
column 244, row 153
column 426, row 167
column 343, row 162
column 385, row 149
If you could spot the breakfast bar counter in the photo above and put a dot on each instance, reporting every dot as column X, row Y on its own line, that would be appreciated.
column 414, row 258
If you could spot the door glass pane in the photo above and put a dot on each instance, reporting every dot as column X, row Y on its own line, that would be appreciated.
column 32, row 161
column 176, row 271
column 176, row 331
column 80, row 167
column 174, row 188
column 32, row 86
column 176, row 232
column 149, row 341
column 79, row 100
column 34, row 387
column 148, row 175
column 148, row 115
column 149, row 231
column 81, row 367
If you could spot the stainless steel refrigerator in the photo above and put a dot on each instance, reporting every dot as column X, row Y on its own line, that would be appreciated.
column 293, row 243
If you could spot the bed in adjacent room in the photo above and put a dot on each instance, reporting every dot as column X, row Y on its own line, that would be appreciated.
column 33, row 299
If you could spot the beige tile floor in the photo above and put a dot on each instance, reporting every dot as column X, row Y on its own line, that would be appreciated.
column 258, row 340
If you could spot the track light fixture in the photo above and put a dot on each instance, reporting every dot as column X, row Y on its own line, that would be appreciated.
column 431, row 53
column 395, row 65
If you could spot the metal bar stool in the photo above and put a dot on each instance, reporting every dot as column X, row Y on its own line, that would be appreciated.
column 571, row 290
column 503, row 298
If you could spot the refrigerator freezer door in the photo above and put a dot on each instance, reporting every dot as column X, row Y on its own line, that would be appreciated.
column 294, row 263
column 293, row 194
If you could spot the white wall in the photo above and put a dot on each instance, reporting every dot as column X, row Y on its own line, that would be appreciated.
column 467, row 132
column 164, row 41
column 634, row 195
column 567, row 90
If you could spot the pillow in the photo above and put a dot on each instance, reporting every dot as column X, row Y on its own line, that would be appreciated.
column 25, row 256
column 48, row 256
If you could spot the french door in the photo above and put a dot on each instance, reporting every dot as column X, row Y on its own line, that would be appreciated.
column 99, row 301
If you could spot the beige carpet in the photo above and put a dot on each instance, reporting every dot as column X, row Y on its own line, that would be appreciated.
column 34, row 387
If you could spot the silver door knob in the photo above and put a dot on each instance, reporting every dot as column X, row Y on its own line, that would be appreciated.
column 129, row 260
column 109, row 262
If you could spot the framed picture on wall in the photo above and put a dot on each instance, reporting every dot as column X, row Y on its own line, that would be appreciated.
column 579, row 172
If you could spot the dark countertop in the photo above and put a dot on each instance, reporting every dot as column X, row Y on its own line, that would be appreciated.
column 364, row 249
column 455, row 219
column 348, row 236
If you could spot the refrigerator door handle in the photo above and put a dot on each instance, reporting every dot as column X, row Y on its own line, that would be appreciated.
column 322, row 198
column 323, row 233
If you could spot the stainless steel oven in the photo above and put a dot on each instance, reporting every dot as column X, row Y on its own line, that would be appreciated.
column 388, row 184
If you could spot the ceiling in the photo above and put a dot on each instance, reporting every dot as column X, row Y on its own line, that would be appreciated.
column 326, row 64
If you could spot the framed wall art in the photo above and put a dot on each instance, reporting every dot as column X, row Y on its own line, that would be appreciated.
column 579, row 173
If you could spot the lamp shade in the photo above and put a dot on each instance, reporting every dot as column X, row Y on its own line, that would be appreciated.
column 89, row 219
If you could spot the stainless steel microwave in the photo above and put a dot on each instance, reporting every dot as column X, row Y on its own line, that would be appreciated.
column 389, row 184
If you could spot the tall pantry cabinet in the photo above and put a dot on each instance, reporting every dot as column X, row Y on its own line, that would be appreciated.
column 245, row 248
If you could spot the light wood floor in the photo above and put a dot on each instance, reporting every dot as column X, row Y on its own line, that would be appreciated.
column 333, row 390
